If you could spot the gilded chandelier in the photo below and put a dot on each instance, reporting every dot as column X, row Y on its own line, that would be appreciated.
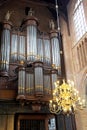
column 65, row 98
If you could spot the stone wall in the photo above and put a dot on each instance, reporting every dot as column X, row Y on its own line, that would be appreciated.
column 71, row 61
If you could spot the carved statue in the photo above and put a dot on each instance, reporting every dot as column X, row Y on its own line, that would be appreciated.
column 8, row 15
column 51, row 24
column 30, row 12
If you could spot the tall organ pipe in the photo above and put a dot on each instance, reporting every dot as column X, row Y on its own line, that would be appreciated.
column 21, row 81
column 5, row 48
column 14, row 47
column 47, row 51
column 21, row 48
column 55, row 50
column 47, row 84
column 31, row 27
column 54, row 79
column 38, row 70
column 29, row 83
column 40, row 49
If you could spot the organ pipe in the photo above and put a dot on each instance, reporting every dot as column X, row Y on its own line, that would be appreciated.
column 47, row 84
column 29, row 83
column 38, row 79
column 54, row 79
column 47, row 51
column 21, row 48
column 55, row 50
column 14, row 47
column 31, row 43
column 31, row 29
column 21, row 81
column 40, row 49
column 5, row 47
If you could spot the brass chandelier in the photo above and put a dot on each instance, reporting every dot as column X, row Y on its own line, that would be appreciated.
column 65, row 98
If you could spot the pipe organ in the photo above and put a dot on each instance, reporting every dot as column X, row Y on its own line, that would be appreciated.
column 35, row 55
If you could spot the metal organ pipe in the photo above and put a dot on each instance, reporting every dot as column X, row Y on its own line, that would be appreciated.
column 31, row 43
column 31, row 28
column 40, row 49
column 14, row 46
column 5, row 47
column 21, row 48
column 47, row 51
column 47, row 84
column 54, row 79
column 55, row 50
column 21, row 81
column 38, row 70
column 29, row 83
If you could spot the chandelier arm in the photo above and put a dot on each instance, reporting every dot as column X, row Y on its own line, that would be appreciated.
column 57, row 111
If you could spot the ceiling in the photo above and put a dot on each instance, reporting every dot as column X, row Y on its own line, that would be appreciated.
column 50, row 4
column 60, row 2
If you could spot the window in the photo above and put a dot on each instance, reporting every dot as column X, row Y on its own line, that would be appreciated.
column 79, row 20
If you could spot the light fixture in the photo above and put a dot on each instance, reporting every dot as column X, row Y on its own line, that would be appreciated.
column 65, row 98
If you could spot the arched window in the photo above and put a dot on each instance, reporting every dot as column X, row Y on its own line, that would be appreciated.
column 79, row 20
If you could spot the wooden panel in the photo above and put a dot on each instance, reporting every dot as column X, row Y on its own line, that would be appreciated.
column 31, row 122
column 7, row 94
column 10, row 122
column 2, row 122
column 32, row 117
column 32, row 125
